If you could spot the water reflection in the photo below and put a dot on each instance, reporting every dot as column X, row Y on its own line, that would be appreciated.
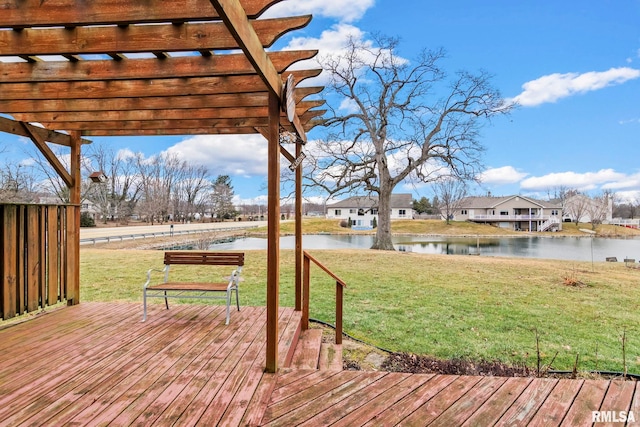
column 569, row 248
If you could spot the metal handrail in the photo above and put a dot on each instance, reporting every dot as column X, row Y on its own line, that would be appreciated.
column 340, row 285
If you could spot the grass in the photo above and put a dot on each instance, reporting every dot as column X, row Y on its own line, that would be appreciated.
column 438, row 305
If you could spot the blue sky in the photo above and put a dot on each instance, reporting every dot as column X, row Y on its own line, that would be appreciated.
column 574, row 67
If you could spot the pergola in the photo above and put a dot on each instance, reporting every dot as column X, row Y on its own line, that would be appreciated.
column 71, row 69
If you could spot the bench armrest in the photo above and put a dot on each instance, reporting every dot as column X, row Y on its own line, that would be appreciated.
column 165, row 270
column 234, row 279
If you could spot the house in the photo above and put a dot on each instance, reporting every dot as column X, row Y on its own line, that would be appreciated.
column 362, row 210
column 517, row 213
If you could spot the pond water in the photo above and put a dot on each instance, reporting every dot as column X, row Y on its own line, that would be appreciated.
column 567, row 248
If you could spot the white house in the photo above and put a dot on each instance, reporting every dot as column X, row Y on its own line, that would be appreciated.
column 362, row 210
column 587, row 209
column 517, row 213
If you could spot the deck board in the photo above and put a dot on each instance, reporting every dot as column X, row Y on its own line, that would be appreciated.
column 97, row 364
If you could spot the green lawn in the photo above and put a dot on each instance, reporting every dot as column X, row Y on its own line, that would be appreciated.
column 439, row 305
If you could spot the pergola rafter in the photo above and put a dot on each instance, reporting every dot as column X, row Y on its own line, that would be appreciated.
column 154, row 67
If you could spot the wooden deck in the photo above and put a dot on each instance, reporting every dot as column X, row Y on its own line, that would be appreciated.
column 98, row 364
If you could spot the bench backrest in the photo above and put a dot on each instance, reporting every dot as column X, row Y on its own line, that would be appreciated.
column 204, row 258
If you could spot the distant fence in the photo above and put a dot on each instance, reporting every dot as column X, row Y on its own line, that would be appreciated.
column 39, row 265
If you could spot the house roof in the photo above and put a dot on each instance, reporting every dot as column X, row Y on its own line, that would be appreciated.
column 397, row 201
column 490, row 202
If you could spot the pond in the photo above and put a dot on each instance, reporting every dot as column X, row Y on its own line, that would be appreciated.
column 567, row 248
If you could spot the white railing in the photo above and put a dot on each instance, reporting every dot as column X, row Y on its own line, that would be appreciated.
column 551, row 222
column 631, row 223
column 510, row 217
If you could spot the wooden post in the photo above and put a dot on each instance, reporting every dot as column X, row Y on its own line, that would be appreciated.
column 73, row 223
column 339, row 303
column 298, row 217
column 273, row 234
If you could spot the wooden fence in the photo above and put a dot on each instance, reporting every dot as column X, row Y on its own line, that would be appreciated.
column 39, row 262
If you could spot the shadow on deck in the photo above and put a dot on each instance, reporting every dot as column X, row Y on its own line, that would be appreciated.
column 97, row 364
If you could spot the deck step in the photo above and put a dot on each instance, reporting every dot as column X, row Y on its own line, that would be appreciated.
column 330, row 357
column 307, row 352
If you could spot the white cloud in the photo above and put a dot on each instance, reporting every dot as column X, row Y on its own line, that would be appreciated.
column 225, row 154
column 556, row 86
column 503, row 175
column 331, row 42
column 344, row 11
column 628, row 182
column 581, row 181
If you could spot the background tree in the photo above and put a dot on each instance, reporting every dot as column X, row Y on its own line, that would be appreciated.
column 599, row 208
column 450, row 191
column 191, row 192
column 222, row 198
column 119, row 195
column 158, row 175
column 422, row 206
column 17, row 184
column 406, row 121
column 576, row 205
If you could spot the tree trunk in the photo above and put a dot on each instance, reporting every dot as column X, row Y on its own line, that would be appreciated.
column 382, row 240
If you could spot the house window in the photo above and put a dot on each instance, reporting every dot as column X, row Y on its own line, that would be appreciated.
column 463, row 212
column 505, row 213
column 402, row 212
column 352, row 211
column 554, row 212
column 374, row 211
column 338, row 212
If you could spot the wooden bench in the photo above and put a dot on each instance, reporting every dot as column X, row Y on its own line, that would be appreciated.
column 171, row 289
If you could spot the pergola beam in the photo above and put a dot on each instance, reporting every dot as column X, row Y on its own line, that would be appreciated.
column 27, row 130
column 167, row 114
column 246, row 122
column 251, row 99
column 189, row 66
column 41, row 144
column 61, row 13
column 141, row 88
column 139, row 38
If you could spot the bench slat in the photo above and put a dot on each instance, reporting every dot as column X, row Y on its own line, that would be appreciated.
column 189, row 286
column 204, row 258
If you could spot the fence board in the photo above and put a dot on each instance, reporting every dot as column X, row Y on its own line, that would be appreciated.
column 20, row 268
column 53, row 251
column 9, row 264
column 32, row 256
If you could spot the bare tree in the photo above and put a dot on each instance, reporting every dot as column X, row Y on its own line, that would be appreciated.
column 577, row 206
column 158, row 176
column 117, row 196
column 191, row 192
column 406, row 121
column 599, row 208
column 17, row 184
column 449, row 191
